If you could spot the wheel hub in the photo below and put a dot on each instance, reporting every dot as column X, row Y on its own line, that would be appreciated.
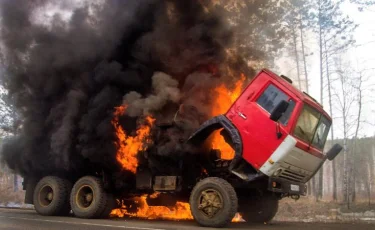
column 50, row 196
column 46, row 195
column 89, row 197
column 210, row 202
column 85, row 196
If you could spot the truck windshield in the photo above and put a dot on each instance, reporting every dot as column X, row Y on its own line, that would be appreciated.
column 312, row 127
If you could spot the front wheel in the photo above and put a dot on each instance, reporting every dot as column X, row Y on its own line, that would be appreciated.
column 260, row 209
column 213, row 202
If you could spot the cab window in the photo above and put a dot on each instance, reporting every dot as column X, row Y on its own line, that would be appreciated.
column 321, row 133
column 312, row 127
column 307, row 123
column 271, row 97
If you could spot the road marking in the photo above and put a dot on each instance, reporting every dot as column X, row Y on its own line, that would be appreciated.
column 89, row 224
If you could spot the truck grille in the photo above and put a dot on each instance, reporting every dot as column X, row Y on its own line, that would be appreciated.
column 292, row 176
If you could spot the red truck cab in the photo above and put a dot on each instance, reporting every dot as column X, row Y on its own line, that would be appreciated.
column 290, row 148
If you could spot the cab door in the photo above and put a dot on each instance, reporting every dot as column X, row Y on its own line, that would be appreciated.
column 258, row 131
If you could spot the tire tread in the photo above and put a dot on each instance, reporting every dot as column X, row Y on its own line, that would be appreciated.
column 61, row 207
column 97, row 211
column 217, row 223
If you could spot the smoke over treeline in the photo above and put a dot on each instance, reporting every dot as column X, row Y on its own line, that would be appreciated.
column 66, row 77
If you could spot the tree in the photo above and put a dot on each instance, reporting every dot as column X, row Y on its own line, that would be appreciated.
column 348, row 95
column 361, row 155
column 302, row 27
column 258, row 28
column 9, row 119
column 363, row 4
column 292, row 23
column 299, row 21
column 334, row 32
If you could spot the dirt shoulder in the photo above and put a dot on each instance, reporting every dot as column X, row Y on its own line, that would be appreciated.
column 309, row 210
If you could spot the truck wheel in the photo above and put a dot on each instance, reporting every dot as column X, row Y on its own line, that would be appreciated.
column 51, row 196
column 213, row 202
column 88, row 198
column 261, row 210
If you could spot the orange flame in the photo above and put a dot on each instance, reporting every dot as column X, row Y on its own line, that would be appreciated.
column 238, row 218
column 225, row 98
column 218, row 142
column 129, row 146
column 181, row 211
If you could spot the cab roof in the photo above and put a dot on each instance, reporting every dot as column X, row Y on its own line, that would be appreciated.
column 301, row 95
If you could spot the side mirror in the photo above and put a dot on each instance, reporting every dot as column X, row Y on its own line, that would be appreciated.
column 333, row 152
column 279, row 110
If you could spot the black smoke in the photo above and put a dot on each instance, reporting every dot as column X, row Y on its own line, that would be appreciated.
column 65, row 77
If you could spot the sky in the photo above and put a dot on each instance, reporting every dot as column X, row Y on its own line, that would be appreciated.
column 364, row 56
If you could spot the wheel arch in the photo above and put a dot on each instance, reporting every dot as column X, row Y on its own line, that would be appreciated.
column 231, row 134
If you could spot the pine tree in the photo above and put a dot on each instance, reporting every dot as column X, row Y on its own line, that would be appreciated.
column 334, row 31
column 258, row 28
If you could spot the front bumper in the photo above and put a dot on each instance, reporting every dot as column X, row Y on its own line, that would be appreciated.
column 279, row 185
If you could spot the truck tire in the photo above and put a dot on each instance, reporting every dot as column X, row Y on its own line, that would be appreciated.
column 261, row 210
column 88, row 198
column 51, row 196
column 213, row 202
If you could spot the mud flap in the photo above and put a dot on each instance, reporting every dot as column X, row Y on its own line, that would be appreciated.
column 29, row 184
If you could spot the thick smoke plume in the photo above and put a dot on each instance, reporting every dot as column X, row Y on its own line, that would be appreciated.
column 66, row 76
column 165, row 90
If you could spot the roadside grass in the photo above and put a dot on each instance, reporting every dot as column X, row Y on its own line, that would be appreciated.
column 307, row 208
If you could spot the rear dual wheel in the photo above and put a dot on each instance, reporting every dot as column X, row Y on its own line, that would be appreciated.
column 54, row 196
column 89, row 200
column 51, row 196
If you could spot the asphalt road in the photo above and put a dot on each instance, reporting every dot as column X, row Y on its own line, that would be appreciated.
column 18, row 219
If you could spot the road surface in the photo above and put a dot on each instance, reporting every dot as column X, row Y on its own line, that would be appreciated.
column 18, row 219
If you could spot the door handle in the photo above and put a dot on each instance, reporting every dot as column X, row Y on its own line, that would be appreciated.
column 242, row 115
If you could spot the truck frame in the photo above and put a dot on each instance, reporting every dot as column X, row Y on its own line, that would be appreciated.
column 277, row 132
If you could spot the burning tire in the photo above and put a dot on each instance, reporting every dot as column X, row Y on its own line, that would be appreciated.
column 259, row 210
column 51, row 196
column 213, row 202
column 88, row 198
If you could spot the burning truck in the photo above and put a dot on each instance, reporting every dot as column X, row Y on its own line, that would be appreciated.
column 140, row 108
column 265, row 147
